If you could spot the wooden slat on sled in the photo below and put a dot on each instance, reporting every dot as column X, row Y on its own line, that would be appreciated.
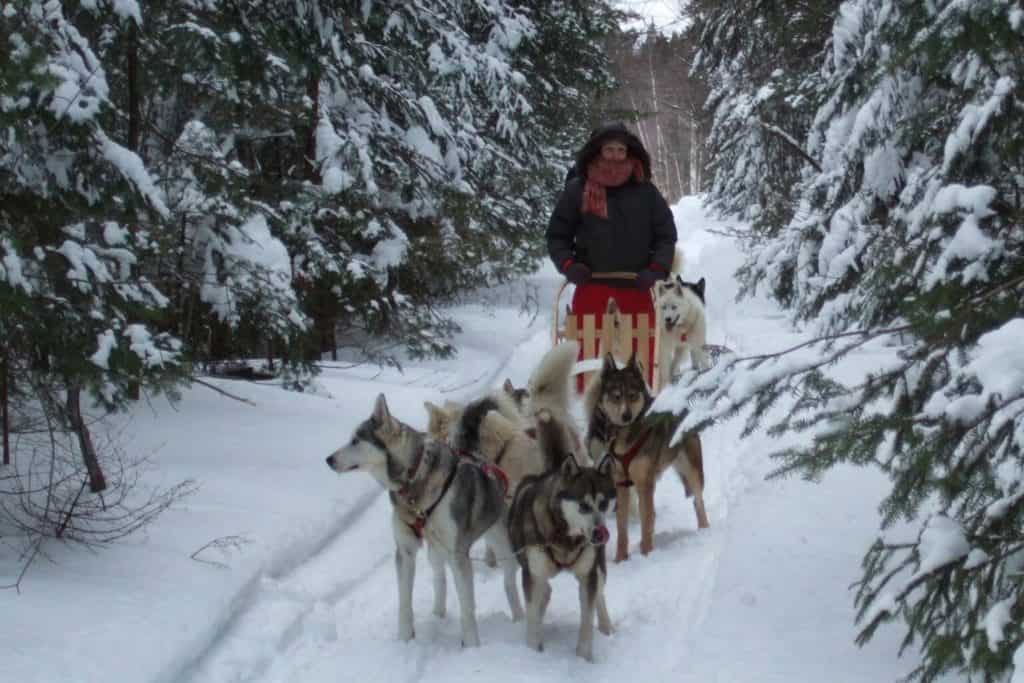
column 617, row 332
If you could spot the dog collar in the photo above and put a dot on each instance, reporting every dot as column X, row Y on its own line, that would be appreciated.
column 410, row 473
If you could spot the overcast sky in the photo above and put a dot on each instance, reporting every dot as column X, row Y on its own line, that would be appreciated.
column 665, row 13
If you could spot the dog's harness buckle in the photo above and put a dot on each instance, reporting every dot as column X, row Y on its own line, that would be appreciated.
column 627, row 458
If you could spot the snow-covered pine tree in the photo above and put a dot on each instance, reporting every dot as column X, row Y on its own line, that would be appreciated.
column 904, row 237
column 761, row 107
column 80, row 213
column 79, row 216
column 402, row 153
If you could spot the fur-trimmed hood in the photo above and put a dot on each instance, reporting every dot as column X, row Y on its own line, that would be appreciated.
column 612, row 131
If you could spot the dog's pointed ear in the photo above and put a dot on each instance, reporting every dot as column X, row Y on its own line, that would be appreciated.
column 570, row 467
column 609, row 364
column 679, row 280
column 659, row 288
column 381, row 414
column 605, row 466
column 435, row 412
column 508, row 387
column 633, row 360
column 700, row 288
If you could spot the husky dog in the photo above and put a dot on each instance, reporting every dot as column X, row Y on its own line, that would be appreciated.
column 435, row 496
column 556, row 523
column 520, row 396
column 616, row 403
column 682, row 328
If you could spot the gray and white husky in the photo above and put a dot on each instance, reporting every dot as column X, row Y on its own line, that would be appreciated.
column 682, row 328
column 556, row 523
column 436, row 497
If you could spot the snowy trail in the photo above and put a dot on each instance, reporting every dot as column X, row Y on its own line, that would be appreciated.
column 703, row 606
column 335, row 611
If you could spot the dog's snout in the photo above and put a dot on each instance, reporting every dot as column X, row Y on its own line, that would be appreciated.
column 330, row 461
column 627, row 416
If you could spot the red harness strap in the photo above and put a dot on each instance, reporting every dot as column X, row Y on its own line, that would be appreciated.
column 498, row 474
column 421, row 518
column 490, row 469
column 628, row 456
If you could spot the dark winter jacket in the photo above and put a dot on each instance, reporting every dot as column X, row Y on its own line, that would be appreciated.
column 639, row 231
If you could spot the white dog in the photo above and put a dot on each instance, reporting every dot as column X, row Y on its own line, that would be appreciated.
column 683, row 328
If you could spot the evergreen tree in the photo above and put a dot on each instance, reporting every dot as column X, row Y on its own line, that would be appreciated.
column 904, row 237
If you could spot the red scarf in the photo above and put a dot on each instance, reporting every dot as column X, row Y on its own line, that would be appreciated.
column 603, row 173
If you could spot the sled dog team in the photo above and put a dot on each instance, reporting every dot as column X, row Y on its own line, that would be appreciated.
column 511, row 468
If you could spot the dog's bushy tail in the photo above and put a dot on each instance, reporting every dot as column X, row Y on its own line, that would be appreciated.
column 553, row 438
column 466, row 433
column 549, row 383
column 678, row 261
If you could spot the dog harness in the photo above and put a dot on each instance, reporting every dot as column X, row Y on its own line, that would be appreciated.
column 628, row 456
column 491, row 469
column 564, row 565
column 422, row 516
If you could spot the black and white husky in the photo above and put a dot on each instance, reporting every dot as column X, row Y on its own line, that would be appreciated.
column 437, row 497
column 556, row 523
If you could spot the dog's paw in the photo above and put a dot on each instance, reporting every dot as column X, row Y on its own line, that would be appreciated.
column 440, row 611
column 406, row 633
column 471, row 641
column 621, row 556
column 606, row 628
column 585, row 652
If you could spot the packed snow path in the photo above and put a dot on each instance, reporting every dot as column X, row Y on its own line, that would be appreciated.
column 761, row 596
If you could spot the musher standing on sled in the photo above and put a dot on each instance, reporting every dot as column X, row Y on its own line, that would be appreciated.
column 611, row 218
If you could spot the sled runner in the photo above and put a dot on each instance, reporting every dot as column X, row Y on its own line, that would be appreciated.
column 617, row 332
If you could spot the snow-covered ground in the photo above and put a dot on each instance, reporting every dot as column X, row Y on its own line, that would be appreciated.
column 311, row 596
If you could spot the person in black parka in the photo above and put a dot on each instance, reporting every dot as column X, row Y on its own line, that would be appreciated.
column 611, row 218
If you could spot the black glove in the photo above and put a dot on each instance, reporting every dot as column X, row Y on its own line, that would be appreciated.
column 576, row 273
column 646, row 278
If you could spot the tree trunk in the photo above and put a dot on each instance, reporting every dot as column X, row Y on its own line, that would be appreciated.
column 134, row 100
column 134, row 388
column 313, row 92
column 97, row 482
column 5, row 406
